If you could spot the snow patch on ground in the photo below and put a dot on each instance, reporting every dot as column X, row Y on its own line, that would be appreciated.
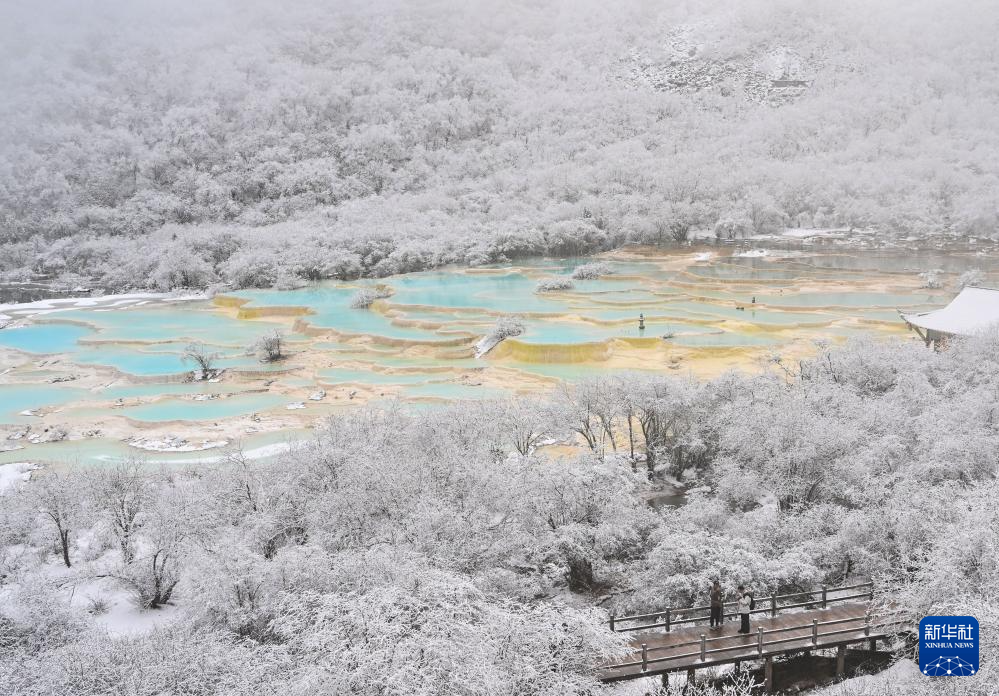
column 25, row 309
column 12, row 474
column 805, row 232
column 261, row 452
column 486, row 344
column 174, row 444
column 703, row 256
column 123, row 616
column 768, row 502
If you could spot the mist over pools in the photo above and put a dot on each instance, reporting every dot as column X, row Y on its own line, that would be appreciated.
column 98, row 378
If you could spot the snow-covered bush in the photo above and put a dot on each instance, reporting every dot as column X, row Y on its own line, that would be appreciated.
column 286, row 280
column 591, row 271
column 270, row 347
column 932, row 279
column 970, row 278
column 505, row 327
column 250, row 268
column 733, row 227
column 365, row 297
column 553, row 285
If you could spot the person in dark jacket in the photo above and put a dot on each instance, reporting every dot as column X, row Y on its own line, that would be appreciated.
column 717, row 605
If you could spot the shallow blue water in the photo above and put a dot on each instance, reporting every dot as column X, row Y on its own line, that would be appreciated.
column 99, row 452
column 692, row 309
column 134, row 391
column 566, row 332
column 352, row 376
column 452, row 390
column 44, row 337
column 191, row 410
column 15, row 398
column 181, row 322
column 848, row 299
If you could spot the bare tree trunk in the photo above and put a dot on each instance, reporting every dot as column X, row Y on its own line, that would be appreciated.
column 631, row 443
column 162, row 587
column 64, row 542
column 580, row 574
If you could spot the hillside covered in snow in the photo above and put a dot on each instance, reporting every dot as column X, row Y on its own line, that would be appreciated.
column 259, row 144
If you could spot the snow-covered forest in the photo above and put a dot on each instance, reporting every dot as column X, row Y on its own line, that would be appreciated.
column 480, row 547
column 184, row 144
column 460, row 551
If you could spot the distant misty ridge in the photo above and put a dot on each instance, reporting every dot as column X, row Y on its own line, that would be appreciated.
column 252, row 144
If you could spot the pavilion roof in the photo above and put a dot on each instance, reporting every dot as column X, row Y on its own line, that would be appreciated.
column 971, row 311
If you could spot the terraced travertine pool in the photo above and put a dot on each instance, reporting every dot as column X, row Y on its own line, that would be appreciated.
column 110, row 378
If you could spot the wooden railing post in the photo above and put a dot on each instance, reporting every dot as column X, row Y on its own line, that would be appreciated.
column 667, row 620
column 773, row 605
column 759, row 640
column 645, row 657
column 703, row 647
column 871, row 596
column 825, row 591
column 867, row 624
column 815, row 631
column 612, row 622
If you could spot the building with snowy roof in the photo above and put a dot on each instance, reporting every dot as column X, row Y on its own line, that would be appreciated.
column 973, row 310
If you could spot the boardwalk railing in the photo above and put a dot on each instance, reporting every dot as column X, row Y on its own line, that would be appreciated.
column 669, row 617
column 767, row 640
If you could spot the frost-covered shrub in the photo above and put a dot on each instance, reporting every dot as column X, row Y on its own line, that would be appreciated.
column 286, row 280
column 733, row 227
column 39, row 624
column 180, row 267
column 506, row 327
column 365, row 297
column 342, row 264
column 270, row 347
column 932, row 279
column 554, row 285
column 970, row 278
column 251, row 268
column 98, row 606
column 591, row 271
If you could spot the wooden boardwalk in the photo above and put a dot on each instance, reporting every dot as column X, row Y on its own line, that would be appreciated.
column 808, row 626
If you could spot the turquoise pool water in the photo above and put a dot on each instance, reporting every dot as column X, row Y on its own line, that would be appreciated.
column 565, row 332
column 682, row 293
column 99, row 452
column 44, row 337
column 455, row 391
column 351, row 376
column 145, row 362
column 331, row 309
column 574, row 372
column 15, row 398
column 848, row 299
column 213, row 409
column 726, row 339
column 138, row 391
column 182, row 323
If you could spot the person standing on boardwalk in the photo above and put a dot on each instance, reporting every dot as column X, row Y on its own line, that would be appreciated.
column 717, row 605
column 745, row 606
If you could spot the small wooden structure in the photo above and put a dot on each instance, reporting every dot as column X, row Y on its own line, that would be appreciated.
column 973, row 310
column 808, row 622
